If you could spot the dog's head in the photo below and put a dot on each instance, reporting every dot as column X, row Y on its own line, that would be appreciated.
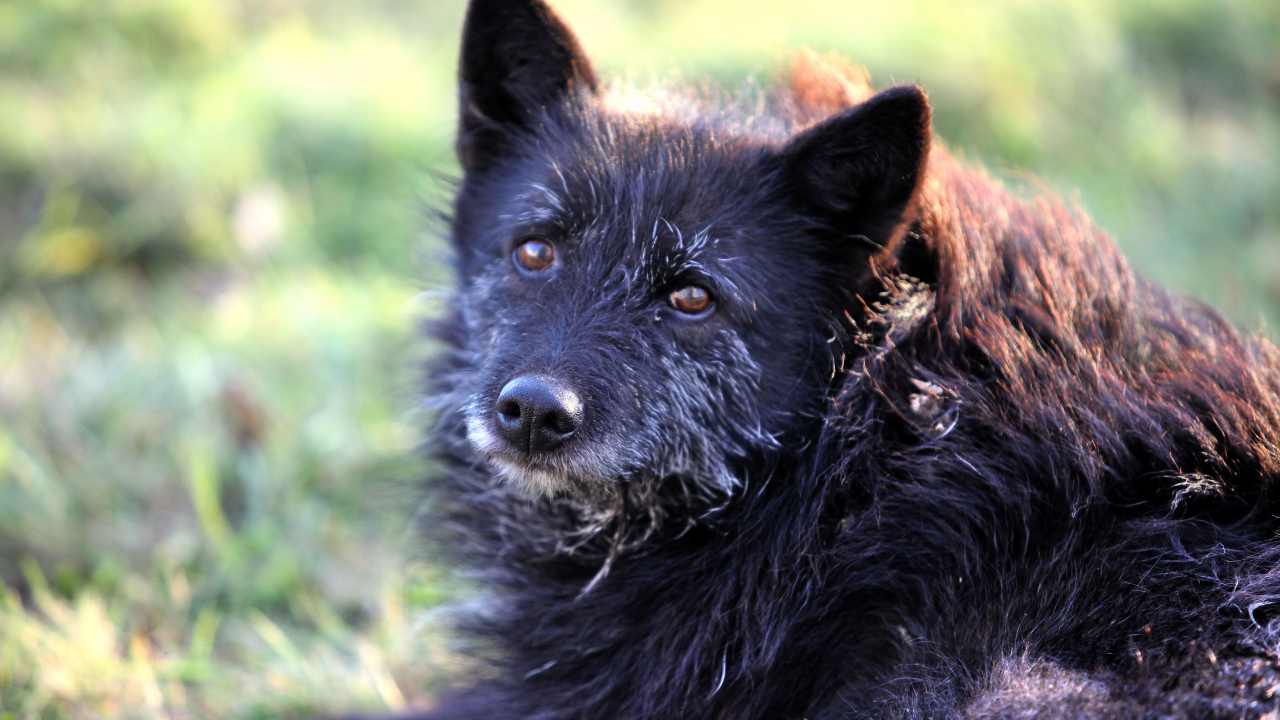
column 655, row 293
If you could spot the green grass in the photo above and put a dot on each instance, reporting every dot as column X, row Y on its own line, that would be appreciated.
column 213, row 251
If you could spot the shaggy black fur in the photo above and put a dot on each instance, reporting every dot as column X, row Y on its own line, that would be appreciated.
column 936, row 451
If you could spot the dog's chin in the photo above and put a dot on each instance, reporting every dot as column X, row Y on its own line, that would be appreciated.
column 534, row 480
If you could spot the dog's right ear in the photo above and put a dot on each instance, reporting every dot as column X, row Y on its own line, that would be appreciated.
column 861, row 170
column 517, row 58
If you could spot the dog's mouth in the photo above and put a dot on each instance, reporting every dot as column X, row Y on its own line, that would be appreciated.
column 526, row 474
column 573, row 469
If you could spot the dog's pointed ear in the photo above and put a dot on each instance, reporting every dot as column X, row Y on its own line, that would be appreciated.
column 859, row 172
column 517, row 58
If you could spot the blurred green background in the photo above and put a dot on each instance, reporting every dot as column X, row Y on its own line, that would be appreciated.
column 214, row 246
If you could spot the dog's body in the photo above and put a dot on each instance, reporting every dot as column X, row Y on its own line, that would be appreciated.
column 930, row 450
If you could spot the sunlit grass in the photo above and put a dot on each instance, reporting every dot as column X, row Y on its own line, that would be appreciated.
column 212, row 499
column 84, row 658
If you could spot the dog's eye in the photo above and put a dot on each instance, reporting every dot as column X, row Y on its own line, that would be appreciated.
column 691, row 300
column 534, row 255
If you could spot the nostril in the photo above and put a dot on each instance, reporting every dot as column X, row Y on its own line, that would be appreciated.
column 508, row 410
column 565, row 413
column 561, row 423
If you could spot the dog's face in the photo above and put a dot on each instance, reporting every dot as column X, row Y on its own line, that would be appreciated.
column 647, row 297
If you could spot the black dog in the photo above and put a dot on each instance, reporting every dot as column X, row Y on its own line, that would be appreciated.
column 764, row 407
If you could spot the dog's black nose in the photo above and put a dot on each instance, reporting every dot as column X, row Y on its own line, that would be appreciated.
column 536, row 414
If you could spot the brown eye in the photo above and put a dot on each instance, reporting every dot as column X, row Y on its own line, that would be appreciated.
column 691, row 299
column 535, row 255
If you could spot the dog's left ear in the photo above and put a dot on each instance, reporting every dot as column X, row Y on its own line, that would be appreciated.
column 859, row 171
column 518, row 58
